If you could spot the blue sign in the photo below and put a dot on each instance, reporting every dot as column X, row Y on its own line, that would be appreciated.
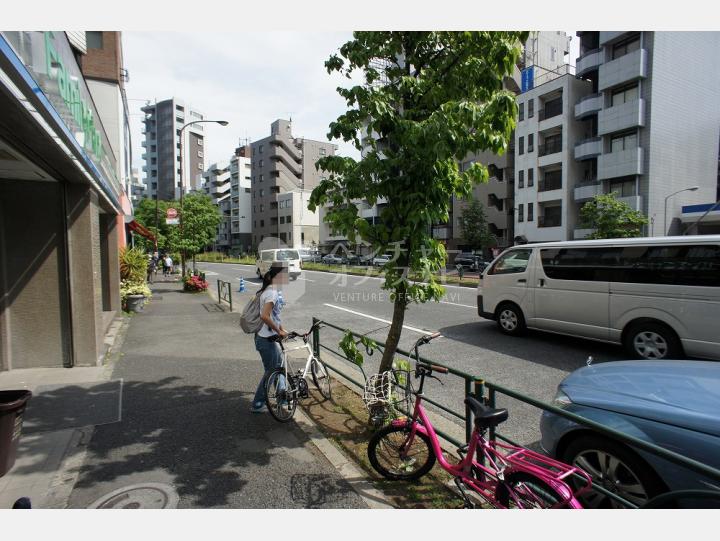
column 528, row 79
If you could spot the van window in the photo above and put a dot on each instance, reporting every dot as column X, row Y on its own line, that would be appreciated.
column 284, row 255
column 267, row 256
column 512, row 262
column 670, row 265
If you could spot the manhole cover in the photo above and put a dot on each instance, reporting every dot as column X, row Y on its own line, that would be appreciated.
column 142, row 496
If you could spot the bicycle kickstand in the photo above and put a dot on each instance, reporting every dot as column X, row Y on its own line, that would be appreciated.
column 466, row 499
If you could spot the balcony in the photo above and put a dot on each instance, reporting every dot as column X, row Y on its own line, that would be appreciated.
column 589, row 148
column 552, row 109
column 625, row 69
column 549, row 221
column 579, row 234
column 587, row 190
column 588, row 62
column 607, row 37
column 621, row 163
column 441, row 233
column 588, row 105
column 622, row 117
column 550, row 146
column 550, row 182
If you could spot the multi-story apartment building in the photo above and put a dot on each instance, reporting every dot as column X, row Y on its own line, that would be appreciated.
column 163, row 123
column 650, row 124
column 546, row 170
column 241, row 201
column 282, row 163
column 137, row 187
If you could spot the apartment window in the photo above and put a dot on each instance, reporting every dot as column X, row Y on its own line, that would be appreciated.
column 153, row 148
column 260, row 149
column 531, row 180
column 521, row 179
column 289, row 219
column 153, row 161
column 177, row 132
column 262, row 193
column 200, row 166
column 262, row 223
column 624, row 187
column 521, row 146
column 530, row 216
column 153, row 173
column 322, row 151
column 531, row 107
column 254, row 223
column 200, row 154
column 282, row 219
column 521, row 112
column 262, row 208
column 200, row 142
column 247, row 190
column 521, row 217
column 94, row 40
column 626, row 46
column 261, row 163
column 624, row 95
column 531, row 142
column 262, row 177
column 625, row 141
column 154, row 185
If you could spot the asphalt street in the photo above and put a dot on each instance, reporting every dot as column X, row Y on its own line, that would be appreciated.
column 533, row 364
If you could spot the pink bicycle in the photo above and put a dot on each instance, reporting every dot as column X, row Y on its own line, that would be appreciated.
column 502, row 475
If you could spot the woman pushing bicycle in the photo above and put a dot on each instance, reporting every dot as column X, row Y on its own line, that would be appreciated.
column 271, row 304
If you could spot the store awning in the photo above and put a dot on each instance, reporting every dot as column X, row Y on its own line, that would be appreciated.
column 141, row 230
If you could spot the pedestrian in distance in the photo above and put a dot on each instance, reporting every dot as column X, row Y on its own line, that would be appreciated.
column 151, row 269
column 271, row 304
column 168, row 264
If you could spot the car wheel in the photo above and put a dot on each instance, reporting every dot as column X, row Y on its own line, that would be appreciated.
column 510, row 319
column 614, row 467
column 652, row 341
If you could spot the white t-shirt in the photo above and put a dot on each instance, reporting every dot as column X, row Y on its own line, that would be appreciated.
column 270, row 295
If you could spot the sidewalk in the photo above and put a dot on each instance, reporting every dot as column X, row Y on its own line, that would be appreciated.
column 186, row 437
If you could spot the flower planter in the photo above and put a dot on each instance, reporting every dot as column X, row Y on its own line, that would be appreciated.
column 135, row 303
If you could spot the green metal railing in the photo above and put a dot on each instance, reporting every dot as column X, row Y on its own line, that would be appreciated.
column 476, row 386
column 224, row 292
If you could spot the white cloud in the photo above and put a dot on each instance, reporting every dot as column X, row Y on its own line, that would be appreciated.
column 249, row 79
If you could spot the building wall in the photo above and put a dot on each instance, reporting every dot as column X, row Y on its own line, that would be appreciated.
column 685, row 121
column 104, row 63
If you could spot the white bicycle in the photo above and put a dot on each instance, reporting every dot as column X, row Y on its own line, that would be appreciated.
column 283, row 388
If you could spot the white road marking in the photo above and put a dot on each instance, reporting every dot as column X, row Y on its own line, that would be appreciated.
column 210, row 273
column 408, row 327
column 305, row 279
column 458, row 304
column 249, row 283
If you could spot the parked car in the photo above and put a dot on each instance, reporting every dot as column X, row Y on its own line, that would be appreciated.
column 471, row 261
column 284, row 255
column 669, row 403
column 381, row 260
column 332, row 259
column 659, row 297
column 354, row 259
column 309, row 256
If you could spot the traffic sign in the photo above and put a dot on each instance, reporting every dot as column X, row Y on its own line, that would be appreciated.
column 171, row 213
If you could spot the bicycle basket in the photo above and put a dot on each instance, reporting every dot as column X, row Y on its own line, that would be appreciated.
column 386, row 393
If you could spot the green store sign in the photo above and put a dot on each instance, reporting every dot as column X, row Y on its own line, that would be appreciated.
column 69, row 89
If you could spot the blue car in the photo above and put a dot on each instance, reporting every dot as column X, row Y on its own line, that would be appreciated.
column 672, row 404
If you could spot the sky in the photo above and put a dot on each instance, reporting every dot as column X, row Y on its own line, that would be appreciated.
column 247, row 78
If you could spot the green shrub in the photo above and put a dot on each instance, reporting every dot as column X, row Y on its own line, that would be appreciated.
column 133, row 264
column 128, row 288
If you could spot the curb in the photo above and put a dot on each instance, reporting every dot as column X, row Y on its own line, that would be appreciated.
column 345, row 466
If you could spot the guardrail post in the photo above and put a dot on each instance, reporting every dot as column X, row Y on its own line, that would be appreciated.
column 316, row 338
column 219, row 296
column 229, row 294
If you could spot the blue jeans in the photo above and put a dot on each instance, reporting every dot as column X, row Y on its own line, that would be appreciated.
column 271, row 356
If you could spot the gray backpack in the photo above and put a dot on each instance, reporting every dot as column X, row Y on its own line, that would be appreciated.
column 250, row 319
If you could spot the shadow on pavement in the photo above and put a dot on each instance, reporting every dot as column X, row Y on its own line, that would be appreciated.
column 553, row 350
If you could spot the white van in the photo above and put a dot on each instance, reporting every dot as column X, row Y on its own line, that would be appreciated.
column 659, row 297
column 289, row 256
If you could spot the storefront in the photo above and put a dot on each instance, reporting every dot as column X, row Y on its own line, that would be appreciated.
column 60, row 209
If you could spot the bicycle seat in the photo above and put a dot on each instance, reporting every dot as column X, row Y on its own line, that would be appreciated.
column 486, row 417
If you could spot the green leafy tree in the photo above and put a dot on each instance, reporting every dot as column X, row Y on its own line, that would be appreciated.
column 611, row 219
column 200, row 218
column 167, row 235
column 428, row 99
column 474, row 227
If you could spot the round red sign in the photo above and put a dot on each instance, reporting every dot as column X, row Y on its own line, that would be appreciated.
column 171, row 213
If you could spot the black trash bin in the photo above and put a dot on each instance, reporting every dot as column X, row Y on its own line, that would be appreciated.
column 12, row 408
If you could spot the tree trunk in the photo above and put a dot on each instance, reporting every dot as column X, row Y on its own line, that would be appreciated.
column 393, row 338
column 182, row 261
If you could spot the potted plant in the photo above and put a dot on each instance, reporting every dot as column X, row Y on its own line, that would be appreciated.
column 134, row 295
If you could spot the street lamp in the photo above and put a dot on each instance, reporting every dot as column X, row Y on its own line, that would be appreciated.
column 692, row 189
column 182, row 189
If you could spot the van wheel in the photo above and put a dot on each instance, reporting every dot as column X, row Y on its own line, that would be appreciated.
column 510, row 319
column 651, row 340
column 257, row 271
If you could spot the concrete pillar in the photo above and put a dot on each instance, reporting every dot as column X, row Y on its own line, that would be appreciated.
column 85, row 274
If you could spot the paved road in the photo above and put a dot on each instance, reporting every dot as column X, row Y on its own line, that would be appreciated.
column 533, row 364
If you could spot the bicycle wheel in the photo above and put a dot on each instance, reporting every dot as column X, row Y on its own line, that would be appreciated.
column 528, row 492
column 321, row 377
column 391, row 460
column 279, row 398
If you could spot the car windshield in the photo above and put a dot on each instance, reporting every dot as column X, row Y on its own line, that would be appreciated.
column 284, row 255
